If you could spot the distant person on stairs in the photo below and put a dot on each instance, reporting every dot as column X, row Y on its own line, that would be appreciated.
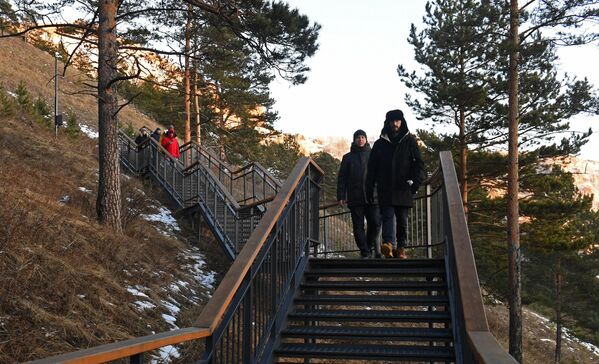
column 351, row 191
column 396, row 169
column 170, row 143
column 156, row 134
column 142, row 137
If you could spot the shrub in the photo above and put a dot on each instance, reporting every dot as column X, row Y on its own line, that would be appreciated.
column 42, row 110
column 23, row 97
column 6, row 103
column 72, row 125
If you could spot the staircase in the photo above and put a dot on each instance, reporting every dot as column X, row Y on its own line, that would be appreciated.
column 357, row 309
column 230, row 200
column 283, row 301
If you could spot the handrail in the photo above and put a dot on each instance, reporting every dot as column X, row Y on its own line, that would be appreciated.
column 219, row 303
column 127, row 348
column 483, row 344
column 216, row 307
column 220, row 185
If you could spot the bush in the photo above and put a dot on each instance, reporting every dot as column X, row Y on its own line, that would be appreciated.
column 6, row 104
column 41, row 110
column 23, row 97
column 72, row 125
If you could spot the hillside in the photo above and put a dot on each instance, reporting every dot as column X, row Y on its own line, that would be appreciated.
column 20, row 61
column 70, row 283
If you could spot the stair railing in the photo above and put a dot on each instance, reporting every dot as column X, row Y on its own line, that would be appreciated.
column 197, row 185
column 250, row 184
column 241, row 321
column 336, row 229
column 474, row 341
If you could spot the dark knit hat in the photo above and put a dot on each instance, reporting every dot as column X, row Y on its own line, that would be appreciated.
column 360, row 132
column 394, row 115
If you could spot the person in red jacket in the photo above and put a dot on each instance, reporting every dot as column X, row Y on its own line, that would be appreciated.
column 170, row 143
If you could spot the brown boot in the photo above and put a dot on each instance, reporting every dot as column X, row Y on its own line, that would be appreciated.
column 387, row 250
column 400, row 253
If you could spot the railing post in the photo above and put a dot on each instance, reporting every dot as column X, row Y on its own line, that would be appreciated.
column 136, row 359
column 429, row 225
column 247, row 324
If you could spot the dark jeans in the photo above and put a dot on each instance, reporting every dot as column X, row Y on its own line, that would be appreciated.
column 401, row 218
column 365, row 240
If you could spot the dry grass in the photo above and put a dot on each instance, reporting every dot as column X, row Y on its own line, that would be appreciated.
column 539, row 338
column 63, row 277
column 20, row 61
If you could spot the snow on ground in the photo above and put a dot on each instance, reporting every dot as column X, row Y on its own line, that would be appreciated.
column 83, row 189
column 567, row 334
column 166, row 353
column 136, row 291
column 165, row 217
column 196, row 268
column 12, row 94
column 144, row 305
column 89, row 131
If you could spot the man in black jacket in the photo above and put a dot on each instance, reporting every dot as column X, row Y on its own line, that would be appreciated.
column 351, row 191
column 397, row 169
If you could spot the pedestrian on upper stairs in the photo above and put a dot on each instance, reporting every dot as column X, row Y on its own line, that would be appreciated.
column 170, row 143
column 351, row 191
column 156, row 134
column 142, row 137
column 396, row 169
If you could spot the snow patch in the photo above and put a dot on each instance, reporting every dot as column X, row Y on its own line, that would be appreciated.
column 170, row 320
column 89, row 131
column 64, row 199
column 12, row 94
column 136, row 291
column 164, row 216
column 205, row 278
column 166, row 353
column 144, row 305
column 83, row 189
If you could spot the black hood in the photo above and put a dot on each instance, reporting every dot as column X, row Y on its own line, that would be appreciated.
column 403, row 129
column 355, row 148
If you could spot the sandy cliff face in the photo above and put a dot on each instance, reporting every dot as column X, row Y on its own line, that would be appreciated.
column 586, row 175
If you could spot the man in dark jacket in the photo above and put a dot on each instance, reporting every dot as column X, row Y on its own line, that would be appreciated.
column 397, row 169
column 351, row 191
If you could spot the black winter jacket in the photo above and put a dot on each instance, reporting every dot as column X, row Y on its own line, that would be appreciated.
column 393, row 162
column 352, row 176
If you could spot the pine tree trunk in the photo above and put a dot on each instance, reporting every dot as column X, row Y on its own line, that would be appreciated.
column 196, row 102
column 463, row 161
column 513, row 228
column 558, row 310
column 108, row 204
column 186, row 78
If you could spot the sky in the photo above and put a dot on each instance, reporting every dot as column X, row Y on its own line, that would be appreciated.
column 353, row 80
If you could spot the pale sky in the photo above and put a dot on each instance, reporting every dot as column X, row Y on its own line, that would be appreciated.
column 353, row 81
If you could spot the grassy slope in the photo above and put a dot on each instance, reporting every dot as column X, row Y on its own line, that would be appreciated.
column 63, row 277
column 20, row 61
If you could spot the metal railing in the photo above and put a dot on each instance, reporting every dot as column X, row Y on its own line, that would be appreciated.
column 424, row 232
column 241, row 321
column 196, row 184
column 249, row 184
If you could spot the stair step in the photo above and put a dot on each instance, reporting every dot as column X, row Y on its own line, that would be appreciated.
column 398, row 300
column 372, row 333
column 375, row 285
column 369, row 315
column 364, row 272
column 367, row 352
column 361, row 263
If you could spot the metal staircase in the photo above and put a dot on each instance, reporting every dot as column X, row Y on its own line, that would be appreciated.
column 231, row 201
column 291, row 296
column 355, row 309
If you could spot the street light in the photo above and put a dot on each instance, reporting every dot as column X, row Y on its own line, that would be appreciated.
column 57, row 116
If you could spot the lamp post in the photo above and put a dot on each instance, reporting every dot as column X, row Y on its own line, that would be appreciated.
column 57, row 116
